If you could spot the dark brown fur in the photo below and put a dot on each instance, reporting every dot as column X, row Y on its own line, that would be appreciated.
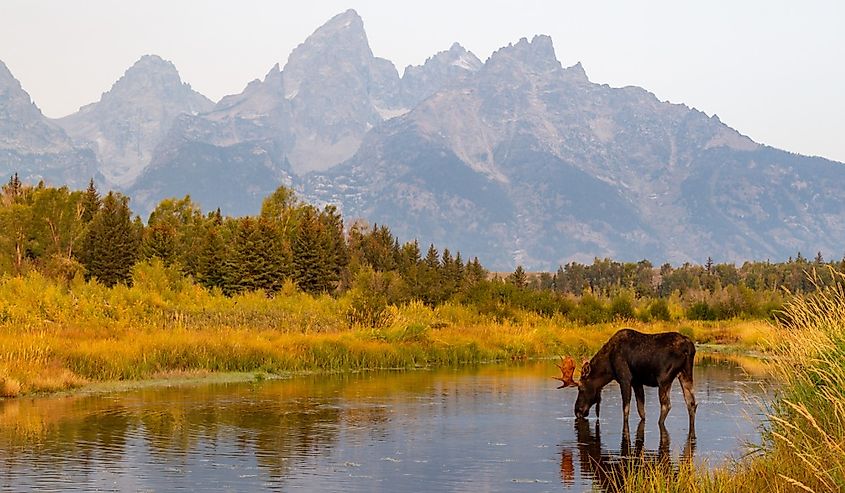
column 635, row 360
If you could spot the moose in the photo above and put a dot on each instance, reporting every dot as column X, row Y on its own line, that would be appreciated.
column 635, row 359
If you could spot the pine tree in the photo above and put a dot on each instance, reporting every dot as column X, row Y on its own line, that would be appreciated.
column 311, row 269
column 159, row 240
column 14, row 189
column 212, row 259
column 110, row 246
column 333, row 244
column 432, row 258
column 90, row 202
column 475, row 273
column 518, row 278
column 257, row 260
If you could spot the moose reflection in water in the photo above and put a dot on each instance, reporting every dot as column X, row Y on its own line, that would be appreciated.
column 607, row 468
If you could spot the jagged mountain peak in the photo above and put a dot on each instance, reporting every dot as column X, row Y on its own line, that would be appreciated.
column 18, row 111
column 348, row 20
column 440, row 70
column 577, row 72
column 130, row 119
column 458, row 56
column 537, row 55
column 6, row 76
column 32, row 145
column 152, row 74
column 343, row 31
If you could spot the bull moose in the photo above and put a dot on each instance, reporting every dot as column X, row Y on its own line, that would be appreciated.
column 635, row 359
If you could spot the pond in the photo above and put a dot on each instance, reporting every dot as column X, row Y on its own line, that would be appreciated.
column 489, row 428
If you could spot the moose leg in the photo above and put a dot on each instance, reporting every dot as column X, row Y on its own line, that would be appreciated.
column 663, row 393
column 689, row 397
column 640, row 395
column 625, row 386
column 623, row 376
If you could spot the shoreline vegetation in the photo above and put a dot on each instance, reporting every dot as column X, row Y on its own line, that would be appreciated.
column 803, row 446
column 55, row 337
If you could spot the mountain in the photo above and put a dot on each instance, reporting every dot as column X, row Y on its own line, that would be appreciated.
column 129, row 121
column 35, row 147
column 516, row 159
column 528, row 162
column 441, row 70
column 309, row 116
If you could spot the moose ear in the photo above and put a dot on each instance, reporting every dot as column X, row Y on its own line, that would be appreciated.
column 585, row 369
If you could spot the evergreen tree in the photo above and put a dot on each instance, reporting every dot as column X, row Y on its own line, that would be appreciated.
column 257, row 260
column 159, row 240
column 211, row 271
column 90, row 202
column 518, row 278
column 475, row 273
column 13, row 190
column 333, row 244
column 311, row 263
column 110, row 246
column 432, row 258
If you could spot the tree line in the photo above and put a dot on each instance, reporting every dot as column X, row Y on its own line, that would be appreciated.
column 64, row 234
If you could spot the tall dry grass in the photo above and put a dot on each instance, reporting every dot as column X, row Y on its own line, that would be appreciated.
column 804, row 441
column 55, row 336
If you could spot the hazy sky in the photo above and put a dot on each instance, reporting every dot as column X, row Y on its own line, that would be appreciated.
column 773, row 70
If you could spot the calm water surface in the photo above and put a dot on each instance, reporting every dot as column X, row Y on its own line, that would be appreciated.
column 487, row 428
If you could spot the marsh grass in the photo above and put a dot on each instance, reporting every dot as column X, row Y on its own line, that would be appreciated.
column 804, row 441
column 57, row 336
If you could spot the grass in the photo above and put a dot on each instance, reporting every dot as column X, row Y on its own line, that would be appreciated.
column 804, row 443
column 56, row 337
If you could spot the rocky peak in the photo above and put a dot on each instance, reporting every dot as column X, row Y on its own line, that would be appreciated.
column 15, row 103
column 154, row 80
column 133, row 116
column 443, row 69
column 339, row 46
column 537, row 55
column 22, row 125
column 338, row 91
column 258, row 97
column 576, row 72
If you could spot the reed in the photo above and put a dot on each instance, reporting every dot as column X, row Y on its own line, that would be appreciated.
column 803, row 445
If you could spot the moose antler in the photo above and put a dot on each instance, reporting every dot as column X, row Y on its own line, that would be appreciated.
column 567, row 369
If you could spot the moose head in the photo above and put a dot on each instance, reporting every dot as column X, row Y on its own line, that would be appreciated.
column 589, row 393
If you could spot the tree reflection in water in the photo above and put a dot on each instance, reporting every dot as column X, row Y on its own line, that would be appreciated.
column 606, row 468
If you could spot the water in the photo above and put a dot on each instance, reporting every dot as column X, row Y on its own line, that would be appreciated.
column 488, row 428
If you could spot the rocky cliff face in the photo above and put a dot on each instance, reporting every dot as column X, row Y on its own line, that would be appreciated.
column 33, row 146
column 130, row 120
column 528, row 162
column 442, row 70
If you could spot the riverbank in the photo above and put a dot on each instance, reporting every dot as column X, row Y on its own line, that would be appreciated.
column 802, row 446
column 55, row 338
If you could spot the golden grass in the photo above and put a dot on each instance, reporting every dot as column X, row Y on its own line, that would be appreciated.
column 804, row 447
column 55, row 337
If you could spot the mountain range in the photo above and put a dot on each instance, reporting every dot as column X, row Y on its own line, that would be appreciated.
column 516, row 159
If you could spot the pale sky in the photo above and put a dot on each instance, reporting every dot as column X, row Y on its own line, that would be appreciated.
column 774, row 70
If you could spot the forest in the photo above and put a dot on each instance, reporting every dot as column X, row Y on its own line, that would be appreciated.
column 63, row 234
